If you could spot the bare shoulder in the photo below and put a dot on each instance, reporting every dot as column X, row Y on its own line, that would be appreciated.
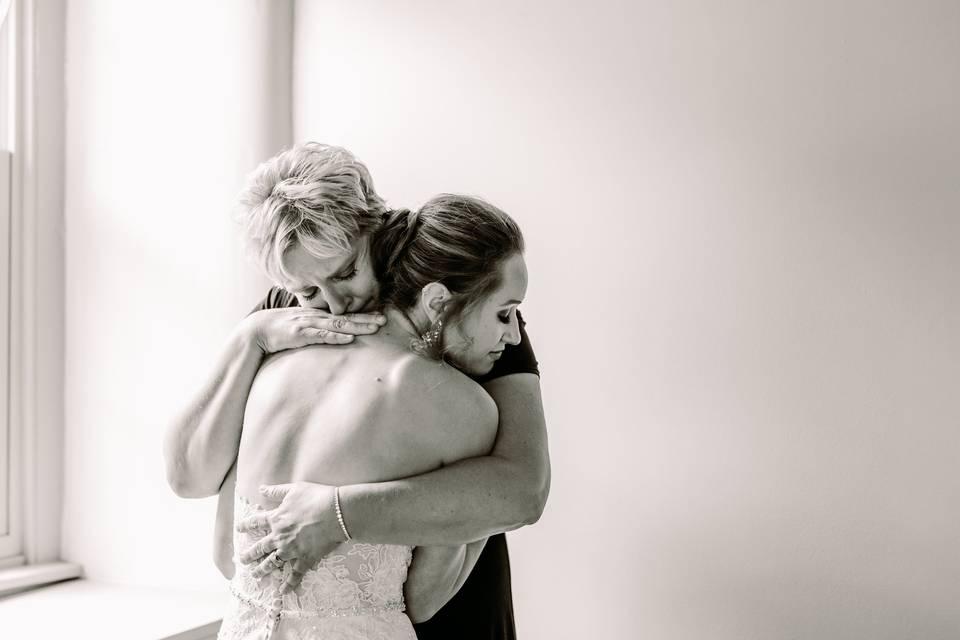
column 456, row 416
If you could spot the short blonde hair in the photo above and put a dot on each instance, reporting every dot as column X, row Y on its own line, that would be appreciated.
column 314, row 195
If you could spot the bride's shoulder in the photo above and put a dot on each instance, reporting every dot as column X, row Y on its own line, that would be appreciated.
column 453, row 410
column 434, row 379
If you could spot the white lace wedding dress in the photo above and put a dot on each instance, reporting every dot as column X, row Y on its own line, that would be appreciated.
column 355, row 592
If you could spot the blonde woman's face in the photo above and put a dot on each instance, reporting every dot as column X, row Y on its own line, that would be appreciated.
column 342, row 284
column 477, row 340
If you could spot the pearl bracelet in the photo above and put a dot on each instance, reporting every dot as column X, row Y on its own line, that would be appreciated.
column 336, row 507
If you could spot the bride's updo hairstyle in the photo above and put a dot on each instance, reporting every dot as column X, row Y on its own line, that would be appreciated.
column 458, row 241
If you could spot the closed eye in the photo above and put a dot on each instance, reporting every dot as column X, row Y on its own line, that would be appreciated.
column 308, row 294
column 345, row 275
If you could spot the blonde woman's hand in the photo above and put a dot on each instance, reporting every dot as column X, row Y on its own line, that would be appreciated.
column 275, row 330
column 301, row 530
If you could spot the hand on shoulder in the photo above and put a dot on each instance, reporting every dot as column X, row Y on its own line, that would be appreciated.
column 273, row 330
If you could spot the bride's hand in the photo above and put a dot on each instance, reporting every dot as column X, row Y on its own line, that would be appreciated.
column 301, row 529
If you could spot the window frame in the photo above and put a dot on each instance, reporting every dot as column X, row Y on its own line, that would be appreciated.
column 11, row 534
column 36, row 281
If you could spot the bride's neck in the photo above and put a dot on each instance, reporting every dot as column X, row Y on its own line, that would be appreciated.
column 405, row 324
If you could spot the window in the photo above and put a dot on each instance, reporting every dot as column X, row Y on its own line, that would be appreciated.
column 10, row 526
column 31, row 261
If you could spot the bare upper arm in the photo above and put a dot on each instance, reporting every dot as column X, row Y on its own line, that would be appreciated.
column 522, row 432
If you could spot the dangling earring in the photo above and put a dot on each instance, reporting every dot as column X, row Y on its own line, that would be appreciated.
column 431, row 339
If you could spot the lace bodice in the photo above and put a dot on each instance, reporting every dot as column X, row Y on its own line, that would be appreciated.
column 354, row 592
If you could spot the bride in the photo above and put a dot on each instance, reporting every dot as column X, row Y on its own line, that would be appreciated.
column 385, row 406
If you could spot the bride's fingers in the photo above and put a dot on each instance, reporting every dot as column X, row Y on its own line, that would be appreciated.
column 262, row 547
column 254, row 523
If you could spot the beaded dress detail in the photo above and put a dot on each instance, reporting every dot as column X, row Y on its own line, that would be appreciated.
column 355, row 592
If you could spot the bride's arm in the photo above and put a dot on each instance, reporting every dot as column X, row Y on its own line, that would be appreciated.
column 435, row 575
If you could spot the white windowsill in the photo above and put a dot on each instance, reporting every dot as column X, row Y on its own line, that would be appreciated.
column 88, row 609
column 35, row 575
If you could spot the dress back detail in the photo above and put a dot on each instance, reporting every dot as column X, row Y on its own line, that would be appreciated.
column 354, row 592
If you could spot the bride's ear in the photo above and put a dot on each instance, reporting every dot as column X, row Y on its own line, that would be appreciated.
column 433, row 298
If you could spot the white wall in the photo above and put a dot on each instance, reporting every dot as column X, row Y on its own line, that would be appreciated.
column 743, row 235
column 169, row 105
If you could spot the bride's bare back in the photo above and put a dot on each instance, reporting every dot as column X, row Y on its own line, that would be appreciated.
column 365, row 412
